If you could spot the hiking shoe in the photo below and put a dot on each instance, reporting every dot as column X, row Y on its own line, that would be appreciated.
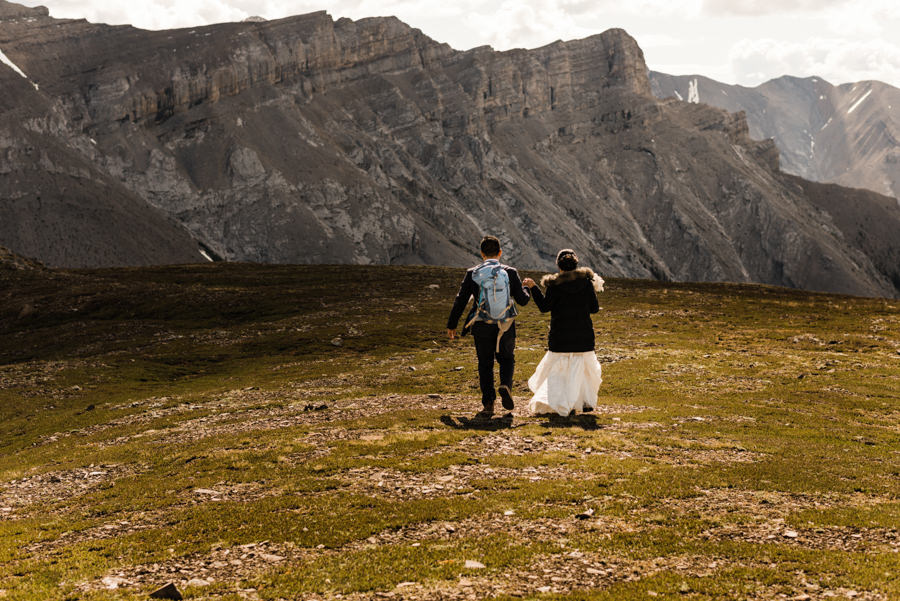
column 484, row 415
column 587, row 409
column 487, row 407
column 506, row 398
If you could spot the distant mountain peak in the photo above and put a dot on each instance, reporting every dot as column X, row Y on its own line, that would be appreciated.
column 847, row 134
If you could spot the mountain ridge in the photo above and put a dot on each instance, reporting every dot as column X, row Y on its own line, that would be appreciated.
column 367, row 142
column 846, row 134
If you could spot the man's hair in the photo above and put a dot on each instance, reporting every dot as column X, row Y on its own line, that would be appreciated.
column 490, row 246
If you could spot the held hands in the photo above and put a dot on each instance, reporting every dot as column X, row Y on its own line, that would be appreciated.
column 451, row 334
column 529, row 283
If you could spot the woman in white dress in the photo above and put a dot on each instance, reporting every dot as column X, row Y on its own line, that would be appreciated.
column 569, row 375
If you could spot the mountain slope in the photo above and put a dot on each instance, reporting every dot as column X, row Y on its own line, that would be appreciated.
column 12, row 261
column 315, row 141
column 58, row 206
column 847, row 134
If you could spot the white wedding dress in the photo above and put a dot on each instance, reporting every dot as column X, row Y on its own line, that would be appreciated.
column 565, row 381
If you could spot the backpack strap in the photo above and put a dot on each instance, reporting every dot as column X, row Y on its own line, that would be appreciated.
column 473, row 320
column 504, row 326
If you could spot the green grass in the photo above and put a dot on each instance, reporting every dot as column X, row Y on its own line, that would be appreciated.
column 728, row 414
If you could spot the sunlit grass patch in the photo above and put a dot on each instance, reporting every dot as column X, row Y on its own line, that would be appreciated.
column 232, row 405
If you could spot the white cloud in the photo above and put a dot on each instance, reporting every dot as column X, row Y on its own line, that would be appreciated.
column 836, row 60
column 756, row 8
column 152, row 14
column 865, row 18
column 662, row 40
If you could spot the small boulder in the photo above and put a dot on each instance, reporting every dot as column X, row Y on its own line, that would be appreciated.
column 167, row 592
column 113, row 582
column 270, row 557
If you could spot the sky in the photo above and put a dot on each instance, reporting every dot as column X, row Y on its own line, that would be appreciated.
column 742, row 42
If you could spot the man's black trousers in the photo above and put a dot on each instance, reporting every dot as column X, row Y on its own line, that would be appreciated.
column 485, row 336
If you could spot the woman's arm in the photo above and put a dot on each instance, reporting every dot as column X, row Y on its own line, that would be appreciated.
column 593, row 303
column 542, row 302
column 517, row 287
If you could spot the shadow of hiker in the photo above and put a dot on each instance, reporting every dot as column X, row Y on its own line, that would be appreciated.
column 481, row 421
column 583, row 421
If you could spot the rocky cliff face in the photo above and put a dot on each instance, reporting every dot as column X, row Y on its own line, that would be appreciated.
column 847, row 134
column 313, row 140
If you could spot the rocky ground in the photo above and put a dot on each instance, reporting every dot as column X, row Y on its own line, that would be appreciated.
column 745, row 446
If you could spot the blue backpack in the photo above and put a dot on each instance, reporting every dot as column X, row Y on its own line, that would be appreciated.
column 494, row 303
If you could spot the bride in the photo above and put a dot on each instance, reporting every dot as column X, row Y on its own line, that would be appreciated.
column 569, row 375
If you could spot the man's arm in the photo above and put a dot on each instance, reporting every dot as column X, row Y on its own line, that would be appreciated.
column 466, row 290
column 518, row 291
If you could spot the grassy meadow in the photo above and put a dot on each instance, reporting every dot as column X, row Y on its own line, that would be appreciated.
column 290, row 432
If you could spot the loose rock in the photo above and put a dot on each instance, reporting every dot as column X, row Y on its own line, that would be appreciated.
column 167, row 592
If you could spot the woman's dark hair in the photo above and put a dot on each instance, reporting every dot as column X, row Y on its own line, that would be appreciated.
column 490, row 246
column 566, row 260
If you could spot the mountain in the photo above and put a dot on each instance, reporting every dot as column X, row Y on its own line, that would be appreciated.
column 10, row 261
column 847, row 134
column 56, row 202
column 309, row 140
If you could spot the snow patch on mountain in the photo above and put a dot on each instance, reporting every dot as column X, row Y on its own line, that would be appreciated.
column 858, row 102
column 5, row 60
column 693, row 91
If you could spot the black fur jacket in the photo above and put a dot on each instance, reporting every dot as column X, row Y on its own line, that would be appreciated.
column 553, row 279
column 571, row 298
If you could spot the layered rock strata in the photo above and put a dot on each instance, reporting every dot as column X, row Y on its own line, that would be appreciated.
column 321, row 141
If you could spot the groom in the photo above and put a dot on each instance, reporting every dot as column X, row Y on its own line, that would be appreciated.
column 487, row 347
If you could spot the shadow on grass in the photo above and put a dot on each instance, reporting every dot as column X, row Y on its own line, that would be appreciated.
column 480, row 421
column 583, row 421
